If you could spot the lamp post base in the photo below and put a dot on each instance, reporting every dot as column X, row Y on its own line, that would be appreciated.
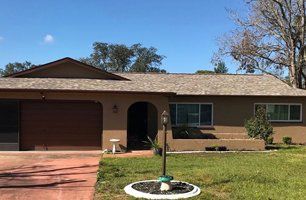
column 165, row 186
column 165, row 182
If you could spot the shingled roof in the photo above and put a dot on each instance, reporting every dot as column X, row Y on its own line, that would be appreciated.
column 179, row 84
column 216, row 84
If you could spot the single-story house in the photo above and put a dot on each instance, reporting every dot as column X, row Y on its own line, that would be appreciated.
column 69, row 105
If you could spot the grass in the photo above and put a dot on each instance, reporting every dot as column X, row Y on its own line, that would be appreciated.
column 275, row 175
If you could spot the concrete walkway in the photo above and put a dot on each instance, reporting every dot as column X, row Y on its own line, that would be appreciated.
column 48, row 175
column 138, row 153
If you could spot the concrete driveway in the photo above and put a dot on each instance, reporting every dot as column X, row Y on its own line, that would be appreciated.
column 48, row 175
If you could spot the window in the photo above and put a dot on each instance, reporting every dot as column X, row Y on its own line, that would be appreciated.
column 191, row 114
column 282, row 112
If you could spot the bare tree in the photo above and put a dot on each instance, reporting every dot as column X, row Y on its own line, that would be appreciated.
column 270, row 39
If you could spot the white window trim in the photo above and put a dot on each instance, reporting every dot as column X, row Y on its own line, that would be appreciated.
column 287, row 104
column 191, row 125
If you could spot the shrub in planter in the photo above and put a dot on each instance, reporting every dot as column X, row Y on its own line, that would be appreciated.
column 270, row 140
column 287, row 140
column 157, row 150
column 182, row 132
column 216, row 148
column 259, row 126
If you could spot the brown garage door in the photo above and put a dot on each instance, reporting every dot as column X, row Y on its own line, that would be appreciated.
column 54, row 125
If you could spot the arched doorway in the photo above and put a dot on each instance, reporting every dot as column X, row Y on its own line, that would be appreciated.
column 142, row 123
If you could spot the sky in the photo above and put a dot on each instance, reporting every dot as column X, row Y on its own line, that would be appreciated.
column 185, row 31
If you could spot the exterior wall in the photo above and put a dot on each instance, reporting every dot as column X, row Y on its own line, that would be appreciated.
column 114, row 124
column 230, row 113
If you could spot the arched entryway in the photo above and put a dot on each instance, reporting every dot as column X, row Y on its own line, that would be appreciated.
column 142, row 122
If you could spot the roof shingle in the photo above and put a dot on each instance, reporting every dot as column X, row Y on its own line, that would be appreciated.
column 181, row 84
column 217, row 84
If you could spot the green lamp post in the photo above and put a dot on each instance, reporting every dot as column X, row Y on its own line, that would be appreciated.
column 165, row 179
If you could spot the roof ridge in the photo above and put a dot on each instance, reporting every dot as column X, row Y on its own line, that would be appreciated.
column 181, row 73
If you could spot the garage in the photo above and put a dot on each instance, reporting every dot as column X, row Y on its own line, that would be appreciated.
column 60, row 125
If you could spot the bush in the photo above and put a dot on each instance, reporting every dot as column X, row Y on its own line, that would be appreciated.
column 259, row 126
column 216, row 148
column 270, row 140
column 181, row 132
column 221, row 148
column 287, row 140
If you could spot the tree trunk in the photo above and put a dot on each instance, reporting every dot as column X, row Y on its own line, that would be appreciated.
column 292, row 72
column 293, row 81
column 300, row 78
column 301, row 59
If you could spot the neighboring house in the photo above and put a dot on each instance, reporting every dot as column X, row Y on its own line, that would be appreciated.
column 69, row 105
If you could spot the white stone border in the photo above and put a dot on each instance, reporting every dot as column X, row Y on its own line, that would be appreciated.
column 135, row 193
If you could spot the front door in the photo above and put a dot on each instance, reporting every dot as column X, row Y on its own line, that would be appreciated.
column 137, row 126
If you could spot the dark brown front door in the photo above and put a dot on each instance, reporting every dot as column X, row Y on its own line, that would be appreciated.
column 60, row 125
column 137, row 126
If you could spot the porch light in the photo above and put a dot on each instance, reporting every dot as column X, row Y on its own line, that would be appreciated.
column 165, row 118
column 115, row 109
column 43, row 97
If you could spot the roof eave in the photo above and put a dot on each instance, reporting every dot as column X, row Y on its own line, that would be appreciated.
column 85, row 91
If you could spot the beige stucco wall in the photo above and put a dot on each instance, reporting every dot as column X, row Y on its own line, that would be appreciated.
column 114, row 124
column 229, row 114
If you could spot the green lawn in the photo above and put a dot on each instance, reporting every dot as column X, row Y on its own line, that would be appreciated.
column 273, row 175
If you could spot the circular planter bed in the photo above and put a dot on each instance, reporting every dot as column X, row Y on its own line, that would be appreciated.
column 150, row 189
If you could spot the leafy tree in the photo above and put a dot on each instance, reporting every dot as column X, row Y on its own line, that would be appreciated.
column 146, row 59
column 99, row 57
column 220, row 68
column 121, row 58
column 271, row 39
column 11, row 68
column 110, row 57
column 205, row 72
column 259, row 126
